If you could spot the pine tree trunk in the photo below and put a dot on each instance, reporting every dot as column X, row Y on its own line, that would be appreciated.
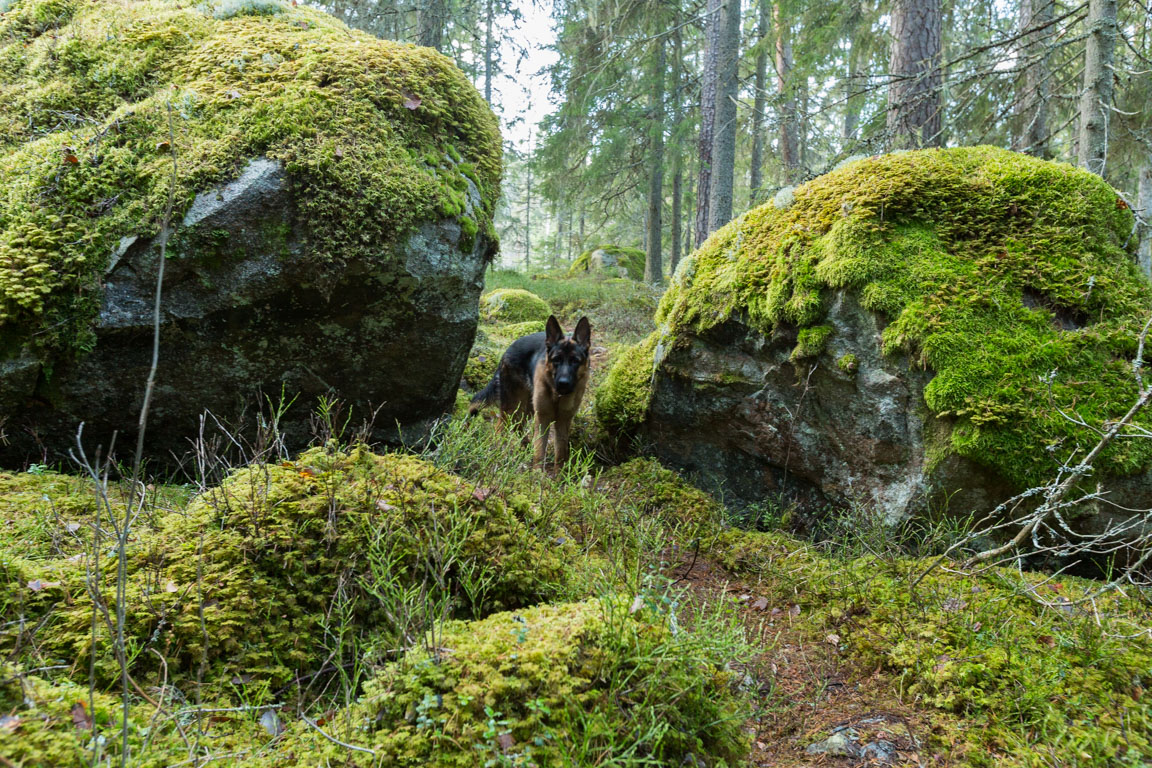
column 433, row 17
column 654, row 263
column 852, row 100
column 755, row 179
column 914, row 69
column 724, row 131
column 1032, row 119
column 677, row 155
column 707, row 117
column 789, row 145
column 1144, row 251
column 1096, row 98
column 489, row 49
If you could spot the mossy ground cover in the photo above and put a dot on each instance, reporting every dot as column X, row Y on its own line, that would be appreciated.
column 993, row 270
column 376, row 137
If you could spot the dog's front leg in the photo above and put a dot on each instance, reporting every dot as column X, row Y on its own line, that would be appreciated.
column 562, row 427
column 541, row 441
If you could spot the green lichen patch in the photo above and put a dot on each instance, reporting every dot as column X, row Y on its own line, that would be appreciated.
column 994, row 269
column 260, row 575
column 1006, row 679
column 513, row 305
column 369, row 132
column 631, row 259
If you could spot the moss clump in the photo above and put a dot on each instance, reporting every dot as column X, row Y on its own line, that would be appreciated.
column 631, row 259
column 994, row 269
column 657, row 491
column 621, row 403
column 810, row 342
column 367, row 130
column 273, row 551
column 513, row 305
column 848, row 363
column 560, row 685
column 517, row 330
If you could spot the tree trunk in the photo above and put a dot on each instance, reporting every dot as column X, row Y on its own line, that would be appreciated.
column 654, row 263
column 789, row 143
column 433, row 17
column 755, row 179
column 852, row 99
column 528, row 211
column 707, row 118
column 724, row 131
column 1144, row 251
column 489, row 49
column 1096, row 98
column 1032, row 126
column 914, row 69
column 677, row 155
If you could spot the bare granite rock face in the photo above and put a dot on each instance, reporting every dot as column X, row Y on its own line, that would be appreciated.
column 247, row 319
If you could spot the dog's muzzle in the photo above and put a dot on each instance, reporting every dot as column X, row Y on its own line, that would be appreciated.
column 565, row 386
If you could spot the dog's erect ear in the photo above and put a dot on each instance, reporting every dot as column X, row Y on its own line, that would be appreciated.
column 553, row 330
column 583, row 333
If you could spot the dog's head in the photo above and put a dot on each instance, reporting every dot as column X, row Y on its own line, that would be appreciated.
column 567, row 356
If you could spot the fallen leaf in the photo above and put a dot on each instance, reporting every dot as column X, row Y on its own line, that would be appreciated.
column 1121, row 204
column 233, row 95
column 506, row 741
column 833, row 639
column 71, row 159
column 794, row 610
column 481, row 494
column 637, row 604
column 241, row 679
column 411, row 100
column 163, row 146
column 1047, row 640
column 340, row 152
column 35, row 585
column 384, row 506
column 170, row 587
column 72, row 527
column 760, row 604
column 80, row 717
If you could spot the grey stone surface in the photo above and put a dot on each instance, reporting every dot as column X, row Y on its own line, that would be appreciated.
column 247, row 315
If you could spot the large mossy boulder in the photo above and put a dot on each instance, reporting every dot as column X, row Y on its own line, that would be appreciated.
column 913, row 329
column 332, row 195
column 612, row 260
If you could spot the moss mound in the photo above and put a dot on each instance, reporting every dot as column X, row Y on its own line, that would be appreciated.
column 513, row 305
column 621, row 402
column 277, row 552
column 376, row 137
column 560, row 685
column 632, row 259
column 995, row 269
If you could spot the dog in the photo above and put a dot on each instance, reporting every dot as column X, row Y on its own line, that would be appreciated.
column 542, row 375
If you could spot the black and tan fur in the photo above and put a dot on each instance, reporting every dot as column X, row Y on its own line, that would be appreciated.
column 542, row 376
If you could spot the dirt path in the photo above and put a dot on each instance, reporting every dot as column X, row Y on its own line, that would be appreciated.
column 805, row 693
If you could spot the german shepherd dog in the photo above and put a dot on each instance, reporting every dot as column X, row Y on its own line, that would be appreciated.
column 542, row 375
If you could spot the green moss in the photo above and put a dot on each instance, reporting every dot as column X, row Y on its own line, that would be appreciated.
column 848, row 363
column 84, row 137
column 631, row 259
column 273, row 549
column 559, row 685
column 661, row 492
column 993, row 268
column 1004, row 680
column 621, row 402
column 513, row 305
column 514, row 331
column 468, row 230
column 811, row 341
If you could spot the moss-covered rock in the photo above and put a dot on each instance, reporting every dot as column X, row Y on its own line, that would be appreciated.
column 333, row 196
column 513, row 305
column 956, row 281
column 256, row 577
column 618, row 260
column 558, row 685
